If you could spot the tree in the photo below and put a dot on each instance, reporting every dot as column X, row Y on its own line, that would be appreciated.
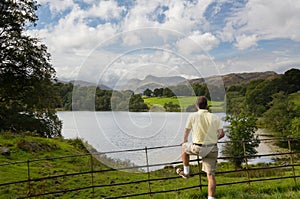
column 27, row 94
column 191, row 108
column 102, row 102
column 137, row 104
column 170, row 107
column 235, row 102
column 280, row 114
column 201, row 90
column 256, row 97
column 120, row 100
column 241, row 131
column 295, row 126
column 167, row 92
column 158, row 92
column 148, row 92
column 292, row 79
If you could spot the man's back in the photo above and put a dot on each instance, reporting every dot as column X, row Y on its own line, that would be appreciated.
column 204, row 126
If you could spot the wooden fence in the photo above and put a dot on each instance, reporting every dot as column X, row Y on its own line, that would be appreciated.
column 31, row 183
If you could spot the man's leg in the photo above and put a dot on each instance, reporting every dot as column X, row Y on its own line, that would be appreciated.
column 211, row 185
column 186, row 161
column 209, row 165
column 185, row 157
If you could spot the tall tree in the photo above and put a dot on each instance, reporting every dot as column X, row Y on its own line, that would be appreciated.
column 281, row 113
column 241, row 132
column 136, row 104
column 167, row 92
column 148, row 92
column 292, row 79
column 27, row 94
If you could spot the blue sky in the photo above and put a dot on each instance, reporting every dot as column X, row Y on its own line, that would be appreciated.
column 113, row 41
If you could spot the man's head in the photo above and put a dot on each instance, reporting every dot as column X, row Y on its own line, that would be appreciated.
column 201, row 102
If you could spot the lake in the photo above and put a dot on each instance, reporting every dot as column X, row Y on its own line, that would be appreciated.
column 117, row 131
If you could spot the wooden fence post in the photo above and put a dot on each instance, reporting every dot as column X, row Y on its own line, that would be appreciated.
column 292, row 159
column 92, row 173
column 28, row 178
column 148, row 171
column 246, row 160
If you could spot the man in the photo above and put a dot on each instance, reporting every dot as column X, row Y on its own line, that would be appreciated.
column 206, row 130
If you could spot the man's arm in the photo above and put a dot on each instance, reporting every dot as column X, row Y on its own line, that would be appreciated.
column 221, row 133
column 186, row 135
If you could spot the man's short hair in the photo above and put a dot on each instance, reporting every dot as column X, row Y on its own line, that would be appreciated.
column 202, row 102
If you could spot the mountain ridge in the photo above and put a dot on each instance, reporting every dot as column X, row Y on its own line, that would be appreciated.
column 151, row 82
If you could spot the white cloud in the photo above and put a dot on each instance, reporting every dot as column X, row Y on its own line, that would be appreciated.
column 131, row 39
column 106, row 10
column 163, row 37
column 244, row 41
column 258, row 61
column 197, row 42
column 177, row 16
column 263, row 20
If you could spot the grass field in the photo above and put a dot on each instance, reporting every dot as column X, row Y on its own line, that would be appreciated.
column 110, row 182
column 182, row 101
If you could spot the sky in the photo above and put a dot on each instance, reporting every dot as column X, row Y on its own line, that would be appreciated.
column 110, row 42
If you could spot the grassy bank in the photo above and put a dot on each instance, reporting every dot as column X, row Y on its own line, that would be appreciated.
column 73, row 172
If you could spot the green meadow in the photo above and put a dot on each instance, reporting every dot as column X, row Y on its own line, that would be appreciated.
column 182, row 101
column 73, row 173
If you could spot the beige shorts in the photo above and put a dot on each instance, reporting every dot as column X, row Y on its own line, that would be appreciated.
column 209, row 155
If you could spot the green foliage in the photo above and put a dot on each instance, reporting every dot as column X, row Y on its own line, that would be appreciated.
column 127, row 101
column 120, row 100
column 201, row 90
column 191, row 108
column 83, row 98
column 240, row 88
column 258, row 95
column 167, row 92
column 103, row 100
column 235, row 102
column 292, row 80
column 136, row 104
column 280, row 114
column 27, row 95
column 158, row 92
column 148, row 92
column 170, row 107
column 65, row 95
column 241, row 133
column 295, row 126
column 259, row 92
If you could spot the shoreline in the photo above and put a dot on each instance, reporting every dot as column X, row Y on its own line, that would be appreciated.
column 270, row 145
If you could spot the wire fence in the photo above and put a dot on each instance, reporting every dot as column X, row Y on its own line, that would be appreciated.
column 35, row 181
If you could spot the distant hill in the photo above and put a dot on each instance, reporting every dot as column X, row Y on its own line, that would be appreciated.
column 236, row 78
column 85, row 83
column 151, row 82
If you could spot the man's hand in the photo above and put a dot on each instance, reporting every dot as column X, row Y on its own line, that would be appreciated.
column 221, row 133
column 182, row 143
